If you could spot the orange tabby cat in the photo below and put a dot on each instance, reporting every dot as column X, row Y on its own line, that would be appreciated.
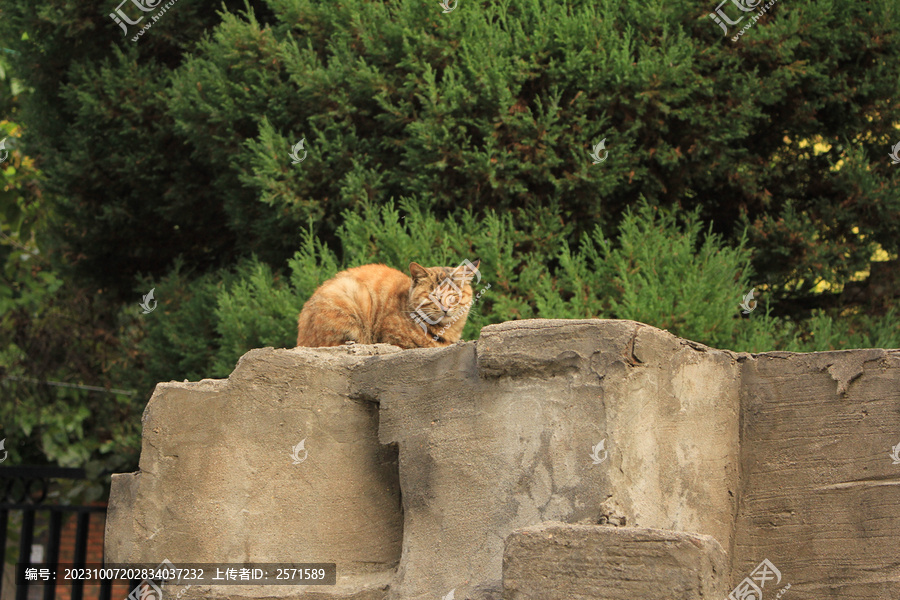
column 377, row 304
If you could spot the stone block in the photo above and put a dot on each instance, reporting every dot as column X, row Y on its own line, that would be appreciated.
column 558, row 561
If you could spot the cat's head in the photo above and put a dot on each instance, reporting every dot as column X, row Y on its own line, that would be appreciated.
column 441, row 292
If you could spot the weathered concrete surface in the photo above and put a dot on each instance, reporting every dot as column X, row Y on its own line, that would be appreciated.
column 371, row 586
column 820, row 496
column 486, row 438
column 498, row 436
column 218, row 484
column 557, row 561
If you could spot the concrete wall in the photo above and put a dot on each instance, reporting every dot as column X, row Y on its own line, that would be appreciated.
column 820, row 494
column 217, row 481
column 423, row 469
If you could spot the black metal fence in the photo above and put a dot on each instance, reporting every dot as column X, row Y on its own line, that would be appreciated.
column 24, row 489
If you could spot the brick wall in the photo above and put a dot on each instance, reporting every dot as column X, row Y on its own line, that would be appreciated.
column 96, row 528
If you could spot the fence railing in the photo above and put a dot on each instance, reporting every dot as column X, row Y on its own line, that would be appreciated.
column 24, row 490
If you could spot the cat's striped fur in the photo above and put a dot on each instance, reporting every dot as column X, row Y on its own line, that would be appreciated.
column 377, row 304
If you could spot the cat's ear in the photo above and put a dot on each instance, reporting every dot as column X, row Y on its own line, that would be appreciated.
column 467, row 271
column 417, row 271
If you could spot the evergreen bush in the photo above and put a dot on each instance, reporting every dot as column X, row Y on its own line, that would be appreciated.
column 661, row 269
column 494, row 106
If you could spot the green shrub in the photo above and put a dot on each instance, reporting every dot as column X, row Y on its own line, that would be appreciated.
column 661, row 269
column 178, row 145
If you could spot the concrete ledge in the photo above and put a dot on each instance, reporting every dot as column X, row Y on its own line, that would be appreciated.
column 677, row 449
column 556, row 561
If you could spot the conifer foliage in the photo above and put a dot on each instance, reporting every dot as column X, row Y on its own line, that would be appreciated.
column 177, row 144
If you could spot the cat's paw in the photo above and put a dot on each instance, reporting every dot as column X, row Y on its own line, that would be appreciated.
column 349, row 343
